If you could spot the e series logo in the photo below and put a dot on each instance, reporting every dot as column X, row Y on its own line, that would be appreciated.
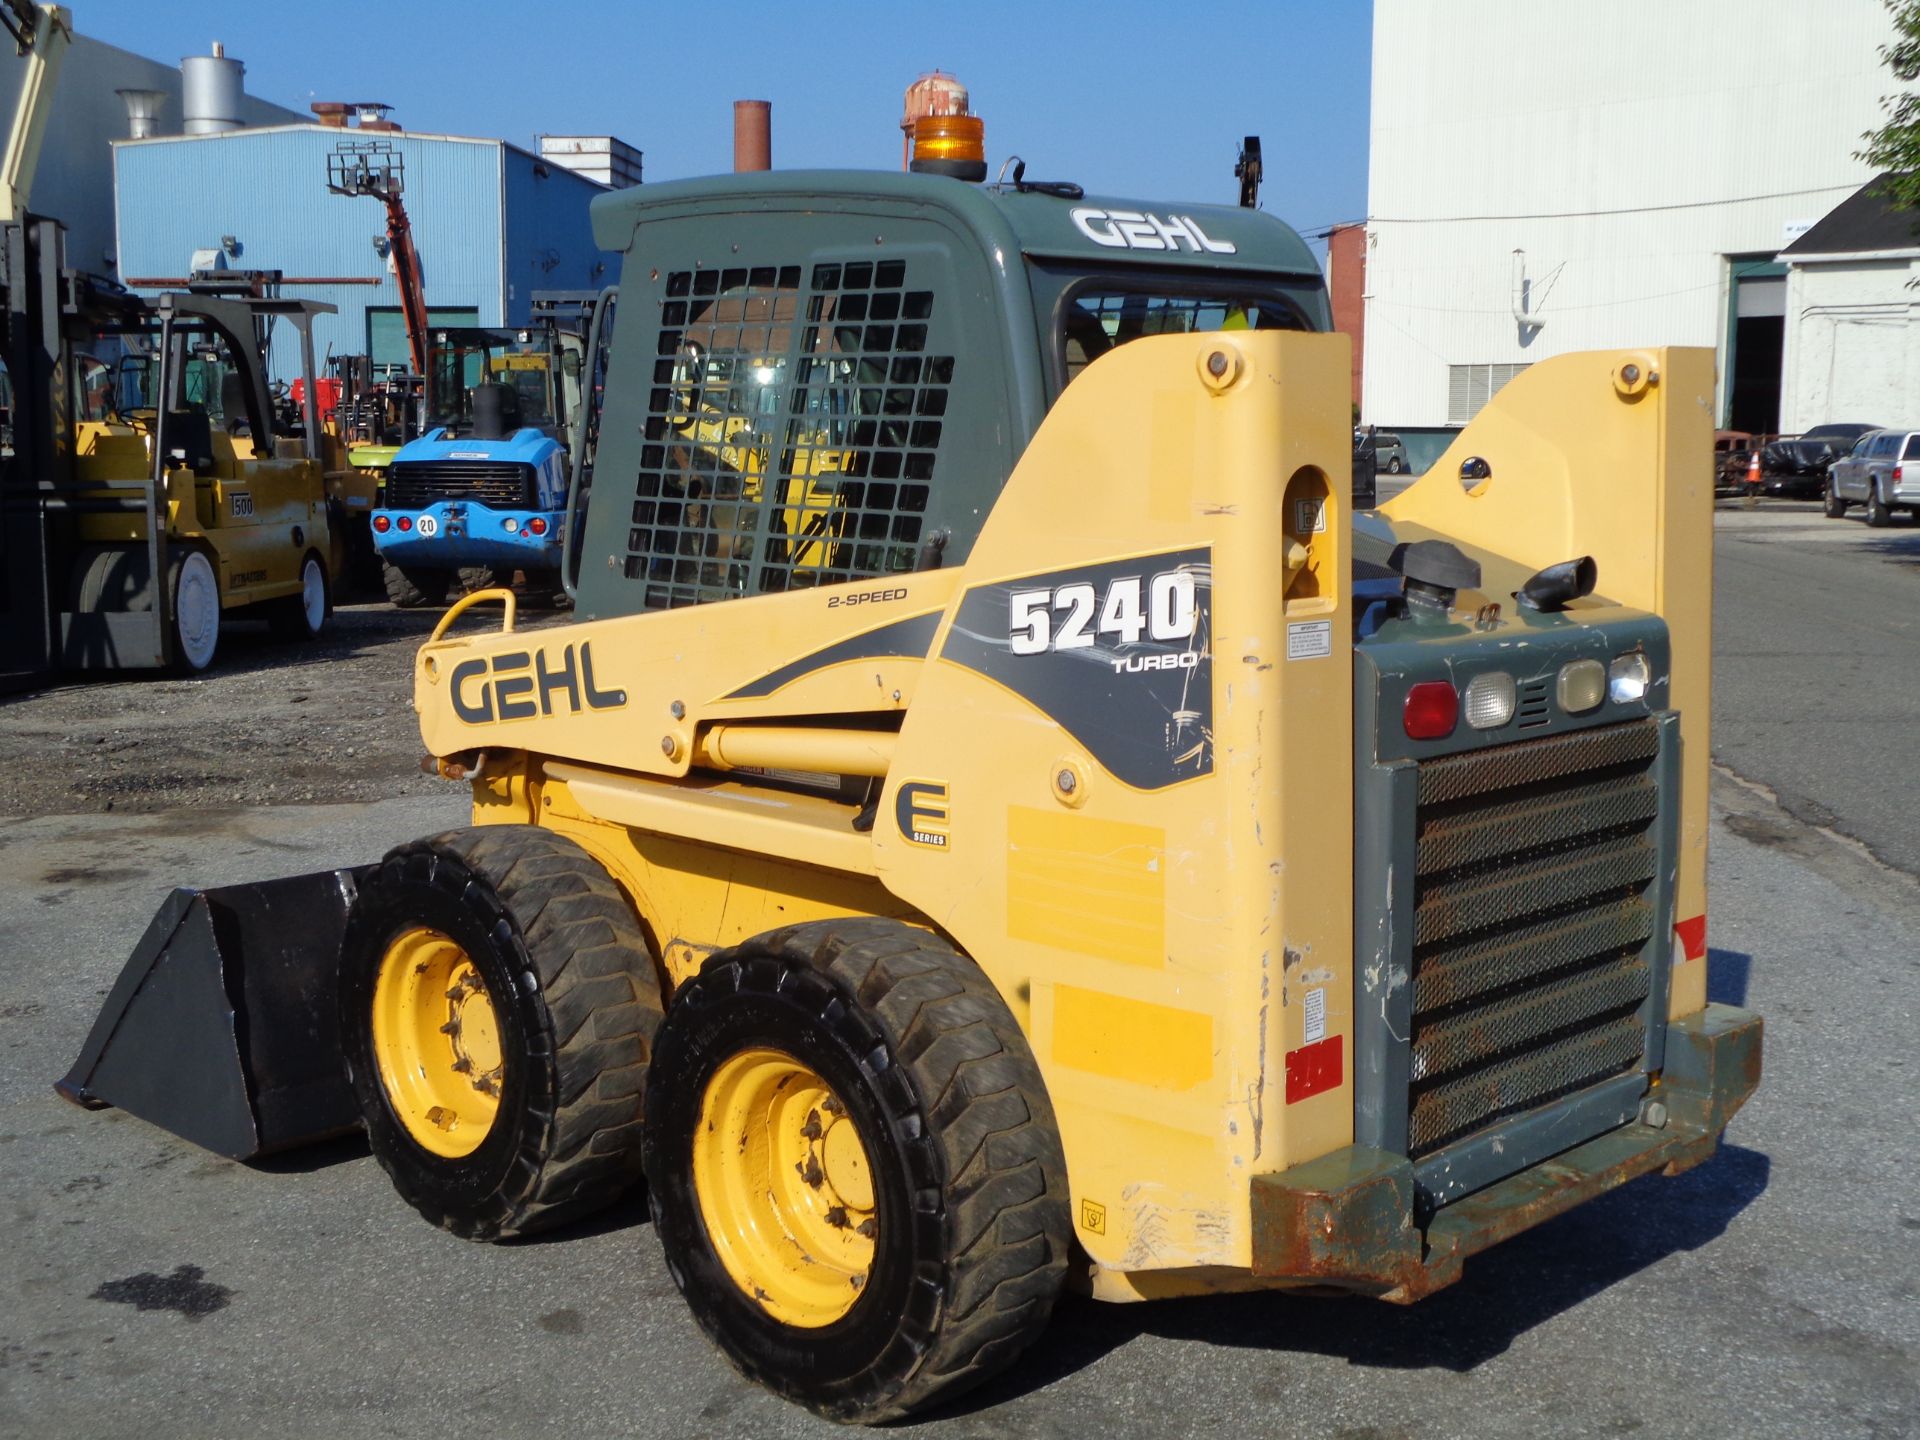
column 522, row 686
column 922, row 811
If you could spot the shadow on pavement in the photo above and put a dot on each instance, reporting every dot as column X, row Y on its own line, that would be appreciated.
column 1727, row 974
column 1896, row 545
column 1506, row 1291
column 629, row 1211
column 310, row 1158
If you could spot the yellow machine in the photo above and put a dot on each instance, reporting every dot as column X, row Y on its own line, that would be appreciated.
column 1133, row 871
column 180, row 465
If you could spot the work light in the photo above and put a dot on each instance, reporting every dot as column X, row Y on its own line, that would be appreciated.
column 1627, row 678
column 1490, row 700
column 1582, row 685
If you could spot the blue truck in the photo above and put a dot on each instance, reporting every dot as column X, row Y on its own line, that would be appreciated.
column 482, row 493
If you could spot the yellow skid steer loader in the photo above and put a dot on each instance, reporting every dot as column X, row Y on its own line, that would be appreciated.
column 1021, row 828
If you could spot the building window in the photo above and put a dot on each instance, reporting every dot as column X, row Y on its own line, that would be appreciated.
column 1470, row 386
column 791, row 431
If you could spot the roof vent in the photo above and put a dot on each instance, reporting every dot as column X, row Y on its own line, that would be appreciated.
column 143, row 111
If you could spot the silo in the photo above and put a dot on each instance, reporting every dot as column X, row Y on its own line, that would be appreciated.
column 210, row 92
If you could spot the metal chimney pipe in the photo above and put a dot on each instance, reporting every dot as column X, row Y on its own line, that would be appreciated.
column 211, row 89
column 752, row 135
column 143, row 111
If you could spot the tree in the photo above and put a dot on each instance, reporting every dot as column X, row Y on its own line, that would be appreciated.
column 1895, row 147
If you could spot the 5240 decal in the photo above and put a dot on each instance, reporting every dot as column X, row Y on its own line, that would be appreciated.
column 1116, row 652
column 1077, row 616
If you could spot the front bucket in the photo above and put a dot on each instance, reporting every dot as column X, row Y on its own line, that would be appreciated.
column 222, row 1027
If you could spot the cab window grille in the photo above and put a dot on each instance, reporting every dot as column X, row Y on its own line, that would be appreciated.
column 791, row 434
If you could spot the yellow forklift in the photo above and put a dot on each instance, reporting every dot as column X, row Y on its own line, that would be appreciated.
column 180, row 467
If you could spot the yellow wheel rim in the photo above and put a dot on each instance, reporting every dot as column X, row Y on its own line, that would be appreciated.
column 786, row 1187
column 437, row 1043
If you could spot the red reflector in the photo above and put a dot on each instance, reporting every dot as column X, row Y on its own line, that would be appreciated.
column 1432, row 708
column 405, row 523
column 1313, row 1068
column 1693, row 936
column 382, row 524
column 536, row 526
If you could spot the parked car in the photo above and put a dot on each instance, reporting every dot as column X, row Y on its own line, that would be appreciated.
column 1389, row 451
column 1882, row 472
column 1796, row 465
column 1732, row 452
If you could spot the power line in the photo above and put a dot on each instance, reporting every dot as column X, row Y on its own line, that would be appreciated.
column 1625, row 210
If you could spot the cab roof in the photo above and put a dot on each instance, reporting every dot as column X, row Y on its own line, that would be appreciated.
column 1095, row 229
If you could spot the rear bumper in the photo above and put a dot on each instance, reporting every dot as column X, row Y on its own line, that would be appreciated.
column 1348, row 1219
column 465, row 533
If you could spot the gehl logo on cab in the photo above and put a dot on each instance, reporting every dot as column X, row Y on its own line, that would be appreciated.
column 1144, row 230
column 521, row 684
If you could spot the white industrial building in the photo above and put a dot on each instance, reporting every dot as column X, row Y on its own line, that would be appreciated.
column 1547, row 178
column 1853, row 307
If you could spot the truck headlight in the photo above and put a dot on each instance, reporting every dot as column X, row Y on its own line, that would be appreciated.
column 1489, row 700
column 1582, row 685
column 1627, row 678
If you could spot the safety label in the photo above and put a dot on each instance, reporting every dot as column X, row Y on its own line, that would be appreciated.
column 1315, row 1014
column 1310, row 516
column 1310, row 640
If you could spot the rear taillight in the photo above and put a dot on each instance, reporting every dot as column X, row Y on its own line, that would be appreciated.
column 1897, row 470
column 382, row 524
column 536, row 526
column 1431, row 711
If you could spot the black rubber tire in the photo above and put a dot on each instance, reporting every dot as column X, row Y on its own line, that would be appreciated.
column 544, row 591
column 576, row 1004
column 484, row 577
column 412, row 588
column 1393, row 465
column 1836, row 507
column 287, row 617
column 970, row 1180
column 1878, row 515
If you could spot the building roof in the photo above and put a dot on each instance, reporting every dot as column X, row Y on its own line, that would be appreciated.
column 247, row 132
column 1862, row 224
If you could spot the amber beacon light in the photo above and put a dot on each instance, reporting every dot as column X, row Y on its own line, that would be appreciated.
column 954, row 145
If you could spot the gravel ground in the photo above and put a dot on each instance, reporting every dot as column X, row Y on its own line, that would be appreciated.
column 269, row 724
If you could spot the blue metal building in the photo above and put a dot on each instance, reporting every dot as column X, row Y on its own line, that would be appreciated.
column 492, row 224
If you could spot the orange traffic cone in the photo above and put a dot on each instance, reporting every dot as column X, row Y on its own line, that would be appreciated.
column 1754, row 480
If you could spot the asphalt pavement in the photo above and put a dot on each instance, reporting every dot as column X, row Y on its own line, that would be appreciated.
column 150, row 1289
column 1817, row 667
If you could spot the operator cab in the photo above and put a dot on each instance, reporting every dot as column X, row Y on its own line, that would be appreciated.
column 489, row 383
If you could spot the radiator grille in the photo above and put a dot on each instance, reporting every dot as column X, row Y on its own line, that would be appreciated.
column 1533, row 908
column 419, row 483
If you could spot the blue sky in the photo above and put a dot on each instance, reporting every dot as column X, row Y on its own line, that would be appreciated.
column 1129, row 97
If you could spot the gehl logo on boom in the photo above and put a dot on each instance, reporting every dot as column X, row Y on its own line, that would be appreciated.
column 520, row 685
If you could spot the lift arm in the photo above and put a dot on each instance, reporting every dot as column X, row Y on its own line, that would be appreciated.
column 378, row 170
column 43, row 33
